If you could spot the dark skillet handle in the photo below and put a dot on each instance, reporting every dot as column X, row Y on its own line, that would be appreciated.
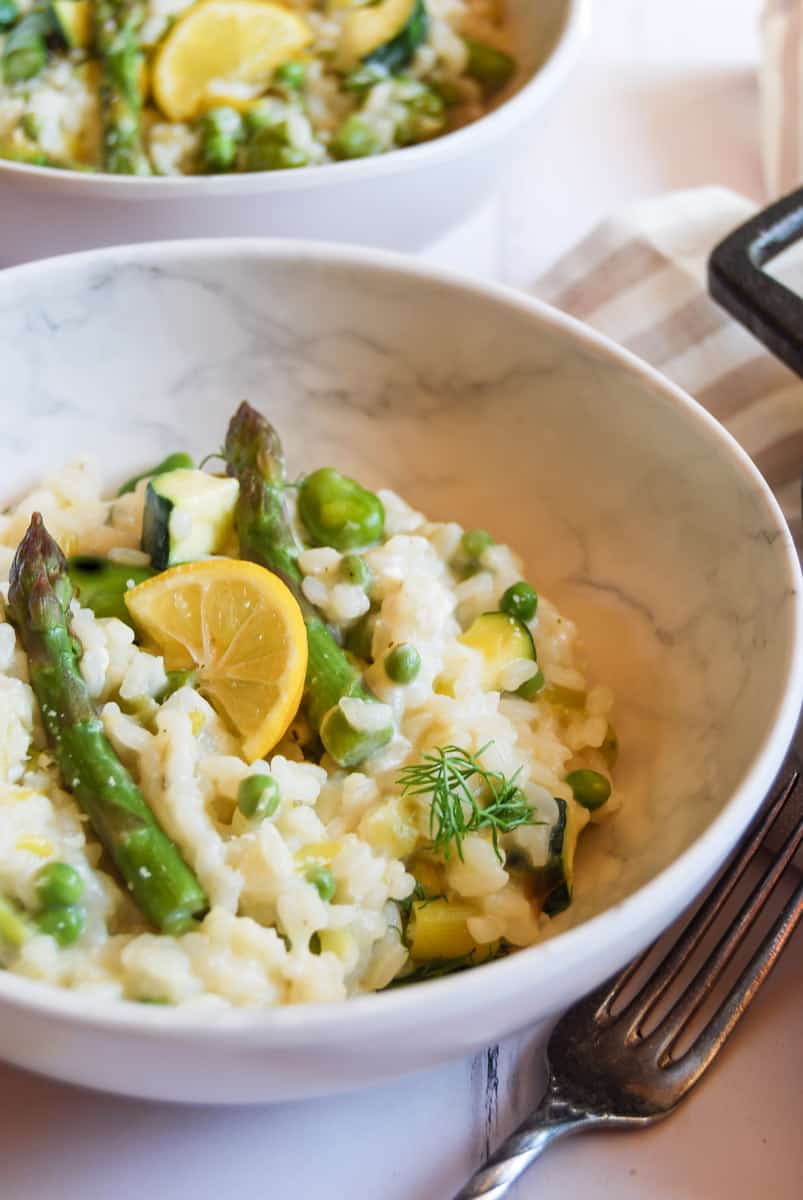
column 771, row 312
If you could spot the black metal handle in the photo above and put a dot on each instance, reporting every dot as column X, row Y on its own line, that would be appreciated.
column 771, row 311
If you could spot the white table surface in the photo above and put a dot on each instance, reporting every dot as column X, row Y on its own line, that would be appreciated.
column 666, row 98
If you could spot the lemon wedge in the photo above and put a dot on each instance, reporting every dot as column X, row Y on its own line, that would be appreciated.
column 220, row 43
column 241, row 629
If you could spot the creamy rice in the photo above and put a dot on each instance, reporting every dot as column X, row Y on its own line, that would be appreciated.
column 269, row 938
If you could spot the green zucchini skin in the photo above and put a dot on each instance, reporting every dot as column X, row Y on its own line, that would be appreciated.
column 500, row 638
column 559, row 871
column 156, row 528
column 188, row 516
column 397, row 53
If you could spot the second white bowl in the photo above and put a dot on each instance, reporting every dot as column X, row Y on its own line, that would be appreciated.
column 402, row 200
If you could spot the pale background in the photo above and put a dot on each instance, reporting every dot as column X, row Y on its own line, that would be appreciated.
column 665, row 98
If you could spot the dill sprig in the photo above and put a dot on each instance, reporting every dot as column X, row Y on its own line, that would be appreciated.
column 437, row 968
column 465, row 797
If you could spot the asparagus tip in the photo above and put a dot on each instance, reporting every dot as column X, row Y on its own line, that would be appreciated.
column 253, row 443
column 39, row 571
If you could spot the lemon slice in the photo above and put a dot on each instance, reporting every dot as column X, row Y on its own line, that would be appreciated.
column 223, row 42
column 241, row 628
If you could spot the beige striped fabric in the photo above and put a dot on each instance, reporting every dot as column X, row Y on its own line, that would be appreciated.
column 781, row 89
column 641, row 279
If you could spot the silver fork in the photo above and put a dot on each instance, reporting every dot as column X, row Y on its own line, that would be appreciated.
column 603, row 1070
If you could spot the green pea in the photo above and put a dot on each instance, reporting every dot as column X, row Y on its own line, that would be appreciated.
column 590, row 788
column 323, row 881
column 427, row 102
column 173, row 462
column 65, row 924
column 270, row 151
column 532, row 687
column 9, row 13
column 355, row 139
column 291, row 75
column 263, row 115
column 610, row 747
column 425, row 117
column 338, row 511
column 475, row 542
column 489, row 66
column 25, row 49
column 57, row 885
column 355, row 569
column 258, row 797
column 402, row 663
column 359, row 639
column 315, row 944
column 520, row 600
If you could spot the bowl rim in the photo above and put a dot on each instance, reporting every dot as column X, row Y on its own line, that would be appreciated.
column 620, row 923
column 491, row 125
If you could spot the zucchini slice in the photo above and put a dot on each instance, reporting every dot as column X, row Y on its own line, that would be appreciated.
column 438, row 929
column 501, row 639
column 188, row 515
column 558, row 874
column 384, row 35
column 74, row 21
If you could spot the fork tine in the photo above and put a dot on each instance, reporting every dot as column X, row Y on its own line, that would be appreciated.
column 706, row 977
column 636, row 1011
column 713, row 1037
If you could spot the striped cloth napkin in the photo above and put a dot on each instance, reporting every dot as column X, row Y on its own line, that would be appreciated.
column 640, row 278
column 781, row 90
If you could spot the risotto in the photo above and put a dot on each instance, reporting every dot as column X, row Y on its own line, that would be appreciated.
column 271, row 742
column 170, row 87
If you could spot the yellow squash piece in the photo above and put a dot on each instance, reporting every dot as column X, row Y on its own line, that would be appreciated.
column 241, row 628
column 74, row 19
column 439, row 929
column 500, row 639
column 220, row 44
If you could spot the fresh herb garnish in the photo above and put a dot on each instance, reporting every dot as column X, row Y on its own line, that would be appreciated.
column 466, row 797
column 437, row 968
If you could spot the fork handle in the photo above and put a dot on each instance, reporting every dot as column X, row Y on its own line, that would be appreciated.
column 553, row 1118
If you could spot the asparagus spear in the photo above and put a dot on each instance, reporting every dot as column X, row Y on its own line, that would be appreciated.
column 117, row 24
column 221, row 131
column 39, row 596
column 254, row 455
column 25, row 49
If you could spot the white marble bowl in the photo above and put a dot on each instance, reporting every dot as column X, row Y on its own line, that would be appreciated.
column 402, row 200
column 636, row 512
